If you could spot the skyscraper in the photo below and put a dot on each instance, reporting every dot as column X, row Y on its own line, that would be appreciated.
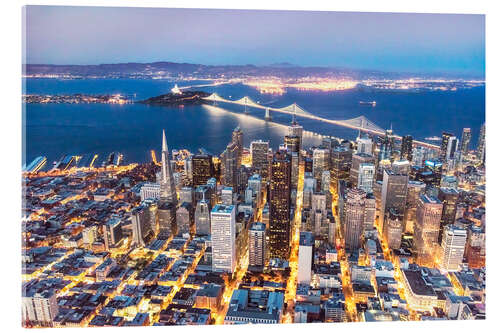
column 364, row 145
column 279, row 206
column 370, row 211
column 426, row 228
column 203, row 169
column 465, row 142
column 202, row 217
column 401, row 167
column 257, row 246
column 387, row 146
column 354, row 208
column 357, row 160
column 305, row 261
column 407, row 147
column 445, row 138
column 415, row 189
column 141, row 226
column 449, row 197
column 295, row 130
column 292, row 144
column 223, row 231
column 229, row 160
column 366, row 177
column 166, row 217
column 394, row 191
column 481, row 144
column 259, row 150
column 167, row 179
column 186, row 194
column 237, row 139
column 184, row 218
column 394, row 229
column 452, row 248
column 341, row 164
column 321, row 162
column 452, row 148
column 112, row 232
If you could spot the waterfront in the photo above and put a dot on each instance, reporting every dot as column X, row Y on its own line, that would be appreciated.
column 54, row 130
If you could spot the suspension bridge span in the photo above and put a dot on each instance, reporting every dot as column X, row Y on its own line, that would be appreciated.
column 360, row 123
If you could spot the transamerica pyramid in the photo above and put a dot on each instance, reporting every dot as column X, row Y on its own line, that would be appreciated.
column 167, row 185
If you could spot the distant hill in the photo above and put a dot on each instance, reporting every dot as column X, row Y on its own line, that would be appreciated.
column 186, row 69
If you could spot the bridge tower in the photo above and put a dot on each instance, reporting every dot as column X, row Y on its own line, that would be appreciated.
column 213, row 97
column 268, row 116
column 246, row 102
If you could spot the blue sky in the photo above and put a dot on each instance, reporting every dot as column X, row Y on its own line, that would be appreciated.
column 425, row 43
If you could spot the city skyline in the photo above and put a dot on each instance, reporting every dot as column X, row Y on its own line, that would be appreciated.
column 281, row 194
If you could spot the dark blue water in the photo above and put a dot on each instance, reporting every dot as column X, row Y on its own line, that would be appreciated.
column 56, row 129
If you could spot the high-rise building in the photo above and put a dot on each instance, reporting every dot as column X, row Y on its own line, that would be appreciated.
column 295, row 170
column 167, row 184
column 401, row 167
column 394, row 229
column 370, row 211
column 188, row 167
column 357, row 160
column 203, row 169
column 184, row 218
column 186, row 194
column 141, row 225
column 279, row 206
column 386, row 151
column 332, row 231
column 202, row 217
column 449, row 197
column 318, row 202
column 223, row 232
column 112, row 232
column 445, row 138
column 166, row 217
column 295, row 130
column 426, row 228
column 415, row 189
column 305, row 261
column 321, row 162
column 325, row 188
column 237, row 139
column 292, row 144
column 229, row 164
column 364, row 145
column 475, row 250
column 341, row 164
column 452, row 248
column 259, row 151
column 407, row 148
column 465, row 142
column 394, row 191
column 366, row 177
column 354, row 211
column 481, row 144
column 452, row 148
column 435, row 167
column 150, row 191
column 257, row 246
column 227, row 196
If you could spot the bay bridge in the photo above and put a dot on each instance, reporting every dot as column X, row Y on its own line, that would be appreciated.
column 360, row 123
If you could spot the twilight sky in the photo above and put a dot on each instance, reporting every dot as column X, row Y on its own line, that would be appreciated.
column 438, row 43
